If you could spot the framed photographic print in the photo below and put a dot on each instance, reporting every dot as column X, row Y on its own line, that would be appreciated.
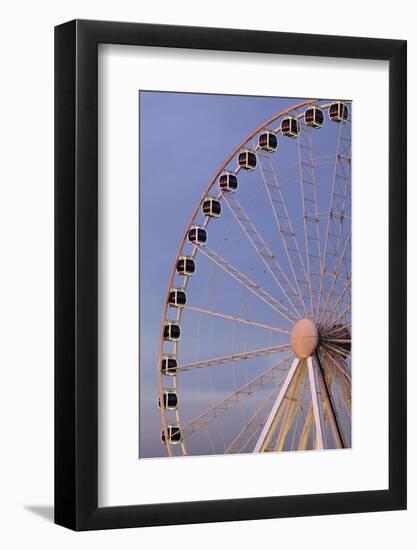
column 230, row 275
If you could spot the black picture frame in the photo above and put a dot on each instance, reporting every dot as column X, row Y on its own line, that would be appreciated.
column 76, row 272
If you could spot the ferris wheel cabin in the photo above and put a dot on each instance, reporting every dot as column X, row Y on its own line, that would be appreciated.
column 169, row 400
column 338, row 112
column 314, row 117
column 177, row 297
column 268, row 141
column 172, row 331
column 290, row 127
column 211, row 207
column 185, row 266
column 228, row 182
column 247, row 160
column 169, row 365
column 197, row 234
column 174, row 435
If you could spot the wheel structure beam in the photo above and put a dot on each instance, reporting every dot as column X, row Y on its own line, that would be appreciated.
column 339, row 276
column 327, row 316
column 234, row 398
column 246, row 282
column 239, row 442
column 286, row 230
column 236, row 319
column 288, row 408
column 332, row 355
column 329, row 408
column 338, row 329
column 299, row 414
column 339, row 389
column 233, row 357
column 316, row 399
column 342, row 314
column 241, row 216
column 308, row 424
column 339, row 210
column 337, row 350
column 272, row 420
column 310, row 212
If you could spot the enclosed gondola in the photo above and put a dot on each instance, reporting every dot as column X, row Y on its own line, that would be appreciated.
column 338, row 112
column 314, row 117
column 177, row 297
column 172, row 331
column 228, row 182
column 168, row 365
column 268, row 141
column 169, row 400
column 290, row 127
column 197, row 234
column 211, row 207
column 185, row 265
column 247, row 160
column 173, row 435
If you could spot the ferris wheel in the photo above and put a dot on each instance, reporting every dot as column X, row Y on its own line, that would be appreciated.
column 255, row 338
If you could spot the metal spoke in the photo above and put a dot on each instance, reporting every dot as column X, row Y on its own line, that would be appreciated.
column 336, row 275
column 337, row 329
column 327, row 317
column 233, row 357
column 339, row 340
column 329, row 408
column 310, row 211
column 291, row 168
column 263, row 251
column 344, row 394
column 291, row 400
column 336, row 349
column 251, row 436
column 286, row 230
column 338, row 207
column 308, row 424
column 234, row 398
column 337, row 364
column 340, row 392
column 248, row 426
column 299, row 413
column 342, row 314
column 316, row 400
column 236, row 319
column 272, row 421
column 250, row 285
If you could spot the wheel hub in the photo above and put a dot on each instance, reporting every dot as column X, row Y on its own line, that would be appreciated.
column 304, row 338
